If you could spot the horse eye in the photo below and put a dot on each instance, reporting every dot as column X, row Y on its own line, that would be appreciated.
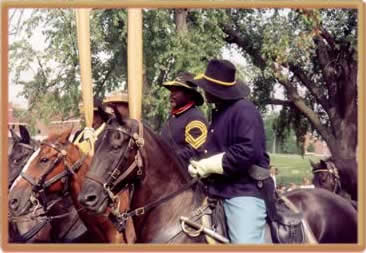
column 44, row 160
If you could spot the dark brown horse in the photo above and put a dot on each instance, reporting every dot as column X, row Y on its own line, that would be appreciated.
column 326, row 176
column 126, row 156
column 21, row 148
column 56, row 168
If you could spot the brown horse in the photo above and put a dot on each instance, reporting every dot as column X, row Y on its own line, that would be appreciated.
column 56, row 168
column 129, row 154
column 64, row 228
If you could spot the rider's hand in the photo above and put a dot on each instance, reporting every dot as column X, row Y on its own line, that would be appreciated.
column 204, row 167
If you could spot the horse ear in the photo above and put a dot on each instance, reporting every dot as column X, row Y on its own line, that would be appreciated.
column 64, row 137
column 323, row 163
column 14, row 135
column 24, row 134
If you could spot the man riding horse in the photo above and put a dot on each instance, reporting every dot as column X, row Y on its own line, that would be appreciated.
column 186, row 128
column 235, row 146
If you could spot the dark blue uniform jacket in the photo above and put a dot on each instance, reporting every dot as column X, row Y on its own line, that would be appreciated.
column 186, row 132
column 236, row 129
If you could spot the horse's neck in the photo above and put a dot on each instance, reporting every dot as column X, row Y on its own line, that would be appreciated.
column 162, row 177
column 162, row 169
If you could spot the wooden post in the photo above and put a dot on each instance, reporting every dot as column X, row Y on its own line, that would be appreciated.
column 134, row 53
column 83, row 33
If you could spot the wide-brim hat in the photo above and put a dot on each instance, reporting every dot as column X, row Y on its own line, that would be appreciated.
column 117, row 97
column 219, row 80
column 182, row 80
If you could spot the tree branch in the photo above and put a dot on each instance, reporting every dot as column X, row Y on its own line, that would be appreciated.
column 274, row 101
column 299, row 103
column 245, row 44
column 317, row 92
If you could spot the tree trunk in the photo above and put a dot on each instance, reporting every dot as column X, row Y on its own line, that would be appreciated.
column 181, row 20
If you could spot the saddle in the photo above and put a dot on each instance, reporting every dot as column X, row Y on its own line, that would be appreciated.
column 285, row 223
column 287, row 226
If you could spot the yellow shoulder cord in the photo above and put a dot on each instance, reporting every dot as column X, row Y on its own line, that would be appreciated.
column 90, row 136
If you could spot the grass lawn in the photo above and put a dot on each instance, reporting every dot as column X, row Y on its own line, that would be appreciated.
column 292, row 168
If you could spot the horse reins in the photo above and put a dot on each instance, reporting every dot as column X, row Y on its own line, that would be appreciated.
column 331, row 170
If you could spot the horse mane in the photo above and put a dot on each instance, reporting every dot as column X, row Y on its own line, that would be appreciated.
column 167, row 149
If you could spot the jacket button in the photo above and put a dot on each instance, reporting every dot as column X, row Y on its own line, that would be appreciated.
column 205, row 151
column 212, row 131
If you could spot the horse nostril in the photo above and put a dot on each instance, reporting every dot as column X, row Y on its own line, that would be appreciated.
column 89, row 200
column 13, row 204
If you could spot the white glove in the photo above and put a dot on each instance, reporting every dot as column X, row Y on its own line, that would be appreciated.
column 205, row 167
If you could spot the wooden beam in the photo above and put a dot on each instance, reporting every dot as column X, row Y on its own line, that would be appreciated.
column 83, row 33
column 134, row 53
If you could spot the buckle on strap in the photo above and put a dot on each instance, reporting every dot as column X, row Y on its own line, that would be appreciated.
column 140, row 211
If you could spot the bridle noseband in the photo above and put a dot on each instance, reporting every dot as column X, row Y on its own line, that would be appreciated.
column 331, row 170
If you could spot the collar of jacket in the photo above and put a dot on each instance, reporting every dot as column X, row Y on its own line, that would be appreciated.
column 182, row 109
column 224, row 105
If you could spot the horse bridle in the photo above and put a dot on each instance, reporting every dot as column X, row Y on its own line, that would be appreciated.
column 331, row 170
column 39, row 186
column 118, row 174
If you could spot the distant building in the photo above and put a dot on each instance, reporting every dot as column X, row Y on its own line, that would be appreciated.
column 13, row 122
column 320, row 146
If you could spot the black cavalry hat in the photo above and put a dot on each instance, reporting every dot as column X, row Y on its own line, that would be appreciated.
column 219, row 80
column 182, row 80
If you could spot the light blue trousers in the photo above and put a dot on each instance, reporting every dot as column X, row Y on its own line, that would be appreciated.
column 246, row 219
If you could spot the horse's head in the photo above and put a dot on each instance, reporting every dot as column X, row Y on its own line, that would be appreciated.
column 325, row 175
column 46, row 172
column 19, row 154
column 117, row 161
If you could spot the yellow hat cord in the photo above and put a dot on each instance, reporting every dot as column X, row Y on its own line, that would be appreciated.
column 214, row 80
